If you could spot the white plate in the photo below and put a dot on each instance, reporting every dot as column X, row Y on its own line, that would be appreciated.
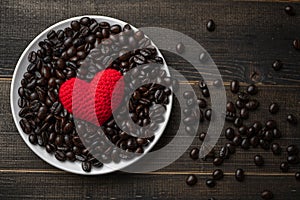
column 74, row 167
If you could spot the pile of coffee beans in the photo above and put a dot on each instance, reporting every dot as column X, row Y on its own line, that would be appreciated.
column 82, row 50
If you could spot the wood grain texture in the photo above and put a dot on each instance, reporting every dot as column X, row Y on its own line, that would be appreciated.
column 249, row 36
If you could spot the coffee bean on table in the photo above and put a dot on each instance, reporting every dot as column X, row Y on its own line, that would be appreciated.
column 297, row 176
column 230, row 107
column 191, row 180
column 194, row 153
column 252, row 89
column 218, row 161
column 284, row 166
column 264, row 144
column 239, row 104
column 210, row 25
column 271, row 124
column 229, row 133
column 210, row 183
column 254, row 141
column 252, row 105
column 240, row 175
column 296, row 44
column 245, row 144
column 243, row 96
column 266, row 195
column 224, row 152
column 180, row 47
column 292, row 150
column 244, row 113
column 273, row 108
column 217, row 174
column 293, row 159
column 276, row 149
column 237, row 140
column 292, row 119
column 231, row 147
column 277, row 65
column 258, row 160
column 277, row 133
column 234, row 86
column 238, row 122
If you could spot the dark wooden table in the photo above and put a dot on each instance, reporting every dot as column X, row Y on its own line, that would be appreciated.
column 249, row 36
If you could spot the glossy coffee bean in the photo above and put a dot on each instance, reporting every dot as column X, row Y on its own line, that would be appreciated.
column 252, row 105
column 296, row 44
column 266, row 195
column 217, row 174
column 230, row 107
column 86, row 166
column 293, row 159
column 243, row 96
column 273, row 108
column 242, row 130
column 292, row 150
column 271, row 124
column 264, row 144
column 239, row 104
column 240, row 175
column 258, row 160
column 234, row 86
column 292, row 119
column 284, row 167
column 238, row 122
column 252, row 89
column 237, row 140
column 210, row 25
column 224, row 152
column 208, row 114
column 191, row 180
column 245, row 144
column 297, row 176
column 244, row 113
column 231, row 147
column 218, row 161
column 229, row 133
column 254, row 141
column 202, row 136
column 277, row 133
column 194, row 153
column 205, row 92
column 277, row 65
column 210, row 183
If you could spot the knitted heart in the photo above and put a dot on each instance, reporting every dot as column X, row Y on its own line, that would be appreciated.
column 92, row 101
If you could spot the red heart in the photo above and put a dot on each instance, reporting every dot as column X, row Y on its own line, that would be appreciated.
column 92, row 101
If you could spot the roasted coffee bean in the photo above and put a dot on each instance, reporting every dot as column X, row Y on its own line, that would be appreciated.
column 32, row 57
column 243, row 96
column 243, row 130
column 238, row 122
column 240, row 175
column 217, row 174
column 239, row 104
column 245, row 143
column 210, row 25
column 210, row 183
column 234, row 86
column 292, row 150
column 230, row 107
column 218, row 161
column 139, row 59
column 208, row 114
column 50, row 148
column 252, row 89
column 202, row 103
column 202, row 136
column 297, row 176
column 289, row 10
column 180, row 47
column 258, row 160
column 293, row 159
column 191, row 180
column 86, row 166
column 115, row 29
column 202, row 85
column 273, row 108
column 264, row 144
column 194, row 153
column 229, row 133
column 237, row 140
column 231, row 147
column 32, row 139
column 42, row 113
column 224, row 153
column 266, row 194
column 276, row 133
column 59, row 155
column 244, row 113
column 205, row 92
column 59, row 140
column 284, row 167
column 292, row 119
column 271, row 124
column 277, row 65
column 252, row 105
column 296, row 44
column 254, row 141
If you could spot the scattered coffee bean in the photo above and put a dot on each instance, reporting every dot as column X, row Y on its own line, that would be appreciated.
column 258, row 160
column 230, row 107
column 289, row 10
column 266, row 194
column 218, row 161
column 217, row 174
column 297, row 176
column 191, row 180
column 293, row 159
column 210, row 25
column 210, row 183
column 234, row 86
column 292, row 119
column 194, row 153
column 296, row 44
column 271, row 124
column 284, row 166
column 229, row 133
column 277, row 65
column 292, row 150
column 240, row 175
column 274, row 108
column 252, row 89
column 245, row 144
